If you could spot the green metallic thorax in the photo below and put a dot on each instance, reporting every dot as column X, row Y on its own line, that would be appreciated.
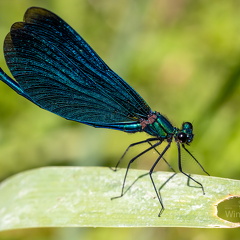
column 160, row 127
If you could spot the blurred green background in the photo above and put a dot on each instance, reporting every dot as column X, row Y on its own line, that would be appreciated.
column 182, row 56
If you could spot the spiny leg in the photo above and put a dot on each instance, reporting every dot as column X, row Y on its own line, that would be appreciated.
column 150, row 174
column 132, row 145
column 181, row 170
column 195, row 159
column 129, row 165
column 163, row 158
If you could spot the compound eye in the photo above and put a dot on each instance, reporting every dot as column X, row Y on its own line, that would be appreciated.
column 182, row 137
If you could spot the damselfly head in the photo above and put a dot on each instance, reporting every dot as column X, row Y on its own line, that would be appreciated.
column 185, row 135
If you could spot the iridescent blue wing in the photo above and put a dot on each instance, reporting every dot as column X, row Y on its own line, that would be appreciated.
column 57, row 70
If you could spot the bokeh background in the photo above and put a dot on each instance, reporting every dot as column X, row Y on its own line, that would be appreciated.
column 182, row 56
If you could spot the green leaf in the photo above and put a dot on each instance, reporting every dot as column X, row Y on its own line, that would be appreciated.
column 81, row 196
